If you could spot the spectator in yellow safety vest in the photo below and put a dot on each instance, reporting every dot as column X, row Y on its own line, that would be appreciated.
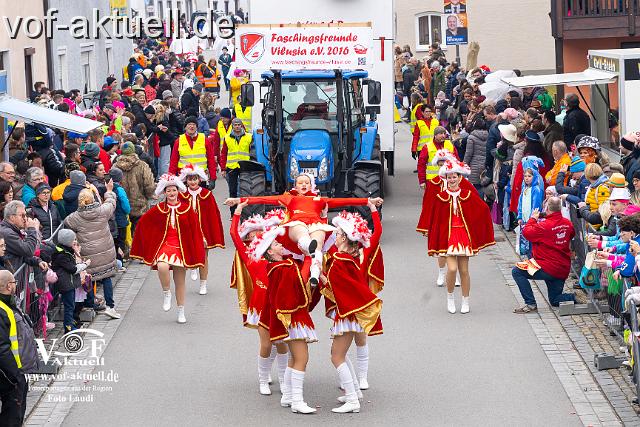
column 236, row 146
column 223, row 128
column 243, row 113
column 193, row 147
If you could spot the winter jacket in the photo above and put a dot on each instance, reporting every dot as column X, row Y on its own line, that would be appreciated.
column 550, row 243
column 166, row 137
column 552, row 134
column 552, row 175
column 86, row 161
column 28, row 194
column 21, row 245
column 535, row 195
column 138, row 111
column 98, row 183
column 176, row 122
column 49, row 219
column 63, row 263
column 576, row 122
column 8, row 366
column 51, row 160
column 70, row 197
column 597, row 193
column 91, row 224
column 438, row 84
column 123, row 208
column 137, row 181
column 475, row 154
column 176, row 88
column 145, row 157
column 576, row 193
column 190, row 104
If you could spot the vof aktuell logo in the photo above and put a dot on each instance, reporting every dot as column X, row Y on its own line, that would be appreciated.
column 80, row 347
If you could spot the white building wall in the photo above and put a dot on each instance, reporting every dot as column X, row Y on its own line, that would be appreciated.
column 511, row 34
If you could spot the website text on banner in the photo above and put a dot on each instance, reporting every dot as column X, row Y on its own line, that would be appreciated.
column 309, row 46
column 457, row 22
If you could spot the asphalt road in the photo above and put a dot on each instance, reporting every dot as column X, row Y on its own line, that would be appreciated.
column 429, row 367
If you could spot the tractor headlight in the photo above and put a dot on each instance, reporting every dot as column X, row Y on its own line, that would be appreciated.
column 293, row 168
column 323, row 171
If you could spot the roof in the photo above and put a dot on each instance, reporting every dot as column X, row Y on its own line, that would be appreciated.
column 15, row 109
column 318, row 74
column 589, row 76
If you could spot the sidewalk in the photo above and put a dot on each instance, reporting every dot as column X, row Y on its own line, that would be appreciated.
column 588, row 336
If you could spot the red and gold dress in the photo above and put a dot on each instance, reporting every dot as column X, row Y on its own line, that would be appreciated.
column 286, row 309
column 171, row 234
column 460, row 224
column 434, row 186
column 257, row 271
column 350, row 299
column 204, row 203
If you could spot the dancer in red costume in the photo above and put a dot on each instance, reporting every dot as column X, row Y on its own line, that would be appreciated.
column 258, row 273
column 286, row 312
column 168, row 237
column 355, row 309
column 431, row 188
column 204, row 203
column 306, row 228
column 450, row 234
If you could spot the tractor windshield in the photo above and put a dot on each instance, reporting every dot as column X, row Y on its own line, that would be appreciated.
column 310, row 105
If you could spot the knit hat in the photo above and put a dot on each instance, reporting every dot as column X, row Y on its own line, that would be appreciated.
column 149, row 109
column 70, row 167
column 147, row 72
column 197, row 87
column 78, row 178
column 66, row 237
column 42, row 187
column 92, row 149
column 236, row 121
column 510, row 113
column 109, row 106
column 354, row 226
column 225, row 113
column 577, row 165
column 167, row 94
column 532, row 135
column 620, row 194
column 116, row 174
column 617, row 180
column 128, row 148
column 439, row 129
column 191, row 119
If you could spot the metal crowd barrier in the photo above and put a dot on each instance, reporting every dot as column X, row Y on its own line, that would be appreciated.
column 27, row 295
column 632, row 319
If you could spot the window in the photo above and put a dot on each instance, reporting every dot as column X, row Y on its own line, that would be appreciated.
column 62, row 69
column 160, row 10
column 28, row 70
column 5, row 65
column 87, row 67
column 110, row 63
column 428, row 27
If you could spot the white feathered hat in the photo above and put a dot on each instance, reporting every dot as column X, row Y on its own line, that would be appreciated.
column 262, row 242
column 274, row 217
column 168, row 180
column 354, row 226
column 254, row 223
column 191, row 170
column 442, row 155
column 454, row 166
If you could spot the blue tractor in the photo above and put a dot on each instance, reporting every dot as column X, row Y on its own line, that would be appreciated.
column 315, row 122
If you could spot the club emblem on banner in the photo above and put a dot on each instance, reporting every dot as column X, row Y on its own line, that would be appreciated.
column 252, row 46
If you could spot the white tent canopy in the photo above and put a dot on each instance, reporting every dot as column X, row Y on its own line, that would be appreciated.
column 15, row 109
column 589, row 76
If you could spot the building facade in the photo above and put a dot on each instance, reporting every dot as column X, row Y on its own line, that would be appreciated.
column 23, row 58
column 511, row 34
column 85, row 64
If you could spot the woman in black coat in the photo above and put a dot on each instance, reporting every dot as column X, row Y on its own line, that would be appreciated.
column 44, row 210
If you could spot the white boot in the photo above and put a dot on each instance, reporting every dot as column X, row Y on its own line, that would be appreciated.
column 352, row 403
column 264, row 365
column 347, row 360
column 181, row 318
column 362, row 363
column 442, row 272
column 272, row 357
column 285, row 400
column 194, row 275
column 315, row 270
column 203, row 287
column 298, row 405
column 451, row 303
column 281, row 364
column 166, row 301
column 464, row 309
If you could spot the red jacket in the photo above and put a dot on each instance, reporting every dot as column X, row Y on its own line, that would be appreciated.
column 213, row 152
column 550, row 241
column 105, row 160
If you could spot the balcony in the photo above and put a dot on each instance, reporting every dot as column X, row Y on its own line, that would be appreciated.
column 586, row 19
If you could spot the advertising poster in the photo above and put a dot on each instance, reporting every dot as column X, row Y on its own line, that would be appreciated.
column 455, row 12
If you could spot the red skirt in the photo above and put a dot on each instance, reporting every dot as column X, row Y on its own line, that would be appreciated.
column 300, row 326
column 256, row 305
column 170, row 250
column 459, row 243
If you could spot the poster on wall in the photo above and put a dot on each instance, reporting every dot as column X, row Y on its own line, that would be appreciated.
column 455, row 12
column 309, row 46
column 118, row 7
